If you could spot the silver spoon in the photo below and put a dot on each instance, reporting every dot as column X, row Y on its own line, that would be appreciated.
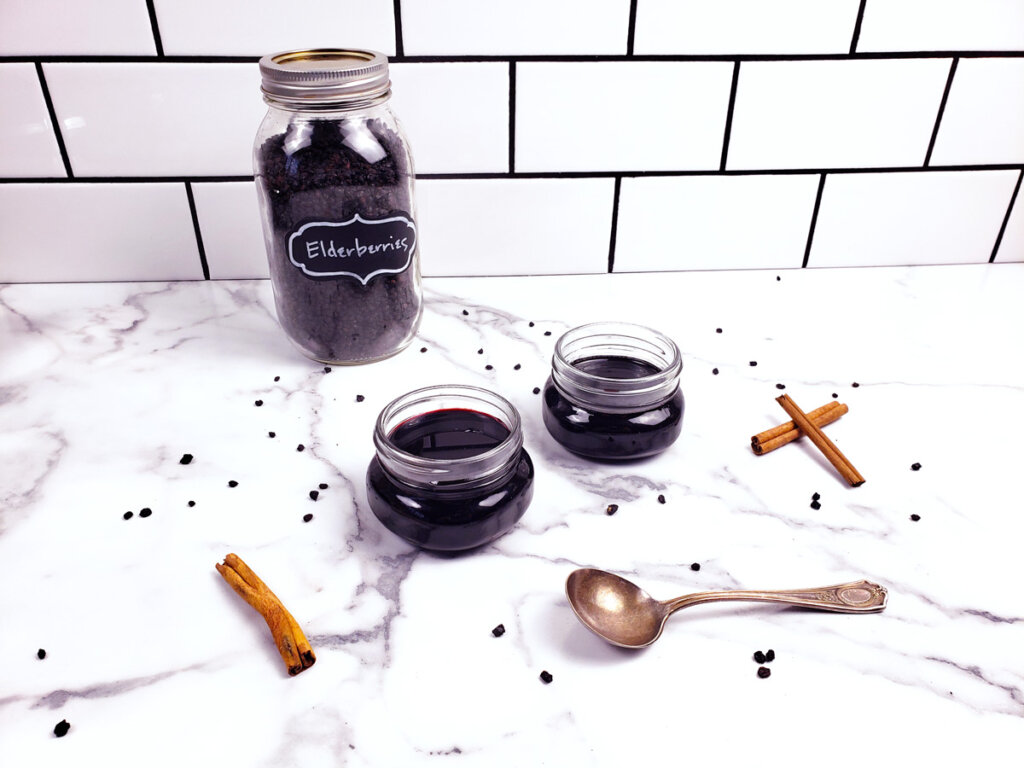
column 623, row 614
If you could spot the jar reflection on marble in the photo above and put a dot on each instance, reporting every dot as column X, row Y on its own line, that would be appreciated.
column 450, row 471
column 614, row 392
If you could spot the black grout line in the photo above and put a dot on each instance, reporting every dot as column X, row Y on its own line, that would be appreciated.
column 1006, row 218
column 58, row 134
column 857, row 26
column 399, row 42
column 631, row 30
column 151, row 5
column 511, row 117
column 542, row 58
column 615, row 224
column 728, row 114
column 942, row 109
column 198, row 231
column 199, row 178
column 814, row 221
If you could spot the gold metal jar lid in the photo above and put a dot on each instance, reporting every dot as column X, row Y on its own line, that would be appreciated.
column 325, row 77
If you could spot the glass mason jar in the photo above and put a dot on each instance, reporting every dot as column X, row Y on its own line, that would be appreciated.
column 450, row 472
column 614, row 393
column 335, row 178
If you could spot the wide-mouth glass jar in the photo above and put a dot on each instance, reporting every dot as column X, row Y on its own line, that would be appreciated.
column 614, row 392
column 450, row 471
column 334, row 176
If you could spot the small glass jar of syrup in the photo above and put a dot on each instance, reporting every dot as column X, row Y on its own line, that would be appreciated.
column 613, row 393
column 450, row 472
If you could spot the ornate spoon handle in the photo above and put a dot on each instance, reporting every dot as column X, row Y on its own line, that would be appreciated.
column 855, row 597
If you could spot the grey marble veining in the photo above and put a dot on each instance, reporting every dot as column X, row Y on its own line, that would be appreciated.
column 153, row 660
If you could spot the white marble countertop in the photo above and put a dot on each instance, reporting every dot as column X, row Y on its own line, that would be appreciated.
column 154, row 661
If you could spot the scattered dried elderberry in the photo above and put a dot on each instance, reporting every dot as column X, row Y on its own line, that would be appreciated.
column 258, row 403
column 41, row 653
column 191, row 503
column 314, row 495
column 300, row 447
column 915, row 517
column 769, row 655
column 780, row 386
column 423, row 349
column 516, row 367
column 718, row 330
column 753, row 363
column 536, row 390
column 307, row 517
column 694, row 566
column 915, row 466
column 547, row 333
column 489, row 367
column 498, row 631
column 232, row 483
column 128, row 515
column 323, row 486
column 714, row 371
column 763, row 672
column 815, row 496
column 480, row 351
column 759, row 657
column 360, row 398
column 532, row 323
column 855, row 385
column 611, row 509
column 145, row 512
column 61, row 729
column 546, row 677
column 465, row 311
column 271, row 434
column 661, row 498
column 277, row 378
column 327, row 369
column 185, row 459
column 815, row 505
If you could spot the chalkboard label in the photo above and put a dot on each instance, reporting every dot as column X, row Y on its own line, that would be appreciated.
column 359, row 248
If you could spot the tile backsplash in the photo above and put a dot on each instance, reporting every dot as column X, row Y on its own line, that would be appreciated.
column 550, row 136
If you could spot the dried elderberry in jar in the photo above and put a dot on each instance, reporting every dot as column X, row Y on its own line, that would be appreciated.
column 613, row 393
column 450, row 472
column 335, row 181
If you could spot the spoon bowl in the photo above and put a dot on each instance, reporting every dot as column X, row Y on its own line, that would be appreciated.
column 625, row 615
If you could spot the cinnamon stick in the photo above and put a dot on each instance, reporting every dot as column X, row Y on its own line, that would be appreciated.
column 288, row 636
column 776, row 437
column 816, row 436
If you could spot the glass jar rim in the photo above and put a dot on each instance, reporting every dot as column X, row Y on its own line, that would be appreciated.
column 622, row 339
column 473, row 471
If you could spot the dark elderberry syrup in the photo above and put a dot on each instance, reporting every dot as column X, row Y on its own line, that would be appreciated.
column 614, row 392
column 449, row 478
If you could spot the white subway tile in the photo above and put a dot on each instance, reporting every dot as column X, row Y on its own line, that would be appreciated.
column 523, row 27
column 1011, row 248
column 82, row 27
column 942, row 25
column 258, row 27
column 514, row 226
column 26, row 133
column 620, row 116
column 924, row 217
column 835, row 114
column 455, row 115
column 713, row 222
column 157, row 119
column 984, row 117
column 229, row 219
column 704, row 27
column 68, row 232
